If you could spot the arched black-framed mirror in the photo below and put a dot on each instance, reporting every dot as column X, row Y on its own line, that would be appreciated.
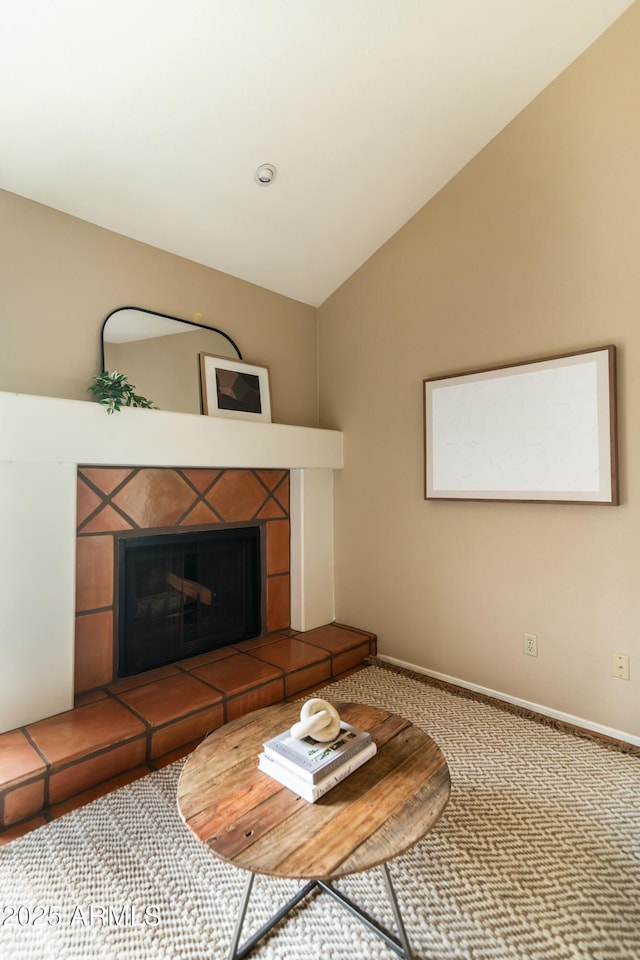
column 160, row 354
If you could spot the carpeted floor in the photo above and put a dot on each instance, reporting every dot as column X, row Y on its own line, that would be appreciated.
column 537, row 857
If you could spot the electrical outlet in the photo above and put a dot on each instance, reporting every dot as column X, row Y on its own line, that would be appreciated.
column 620, row 666
column 530, row 644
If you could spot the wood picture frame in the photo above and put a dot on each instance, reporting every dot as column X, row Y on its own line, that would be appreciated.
column 541, row 431
column 234, row 388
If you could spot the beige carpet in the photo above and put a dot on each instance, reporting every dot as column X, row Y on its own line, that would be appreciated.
column 536, row 858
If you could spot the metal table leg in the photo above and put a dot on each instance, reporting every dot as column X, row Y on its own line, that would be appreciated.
column 241, row 915
column 248, row 945
column 396, row 912
column 399, row 945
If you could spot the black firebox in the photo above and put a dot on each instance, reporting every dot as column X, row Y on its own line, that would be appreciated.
column 186, row 593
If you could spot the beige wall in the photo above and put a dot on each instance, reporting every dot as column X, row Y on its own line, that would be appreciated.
column 533, row 249
column 61, row 276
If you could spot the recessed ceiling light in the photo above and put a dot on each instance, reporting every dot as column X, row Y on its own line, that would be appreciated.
column 265, row 174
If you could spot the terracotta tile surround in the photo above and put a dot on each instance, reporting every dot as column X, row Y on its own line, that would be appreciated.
column 114, row 500
column 131, row 726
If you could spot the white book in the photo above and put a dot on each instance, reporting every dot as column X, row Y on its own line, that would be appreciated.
column 313, row 791
column 313, row 760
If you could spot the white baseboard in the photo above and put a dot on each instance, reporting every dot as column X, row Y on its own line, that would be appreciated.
column 526, row 704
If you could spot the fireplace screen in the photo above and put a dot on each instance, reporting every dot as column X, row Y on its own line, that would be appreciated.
column 187, row 593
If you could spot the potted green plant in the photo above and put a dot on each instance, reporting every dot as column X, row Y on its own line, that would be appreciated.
column 114, row 391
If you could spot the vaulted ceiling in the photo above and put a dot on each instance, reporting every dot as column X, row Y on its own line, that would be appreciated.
column 150, row 117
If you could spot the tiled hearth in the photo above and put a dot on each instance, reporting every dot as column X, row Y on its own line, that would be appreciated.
column 126, row 728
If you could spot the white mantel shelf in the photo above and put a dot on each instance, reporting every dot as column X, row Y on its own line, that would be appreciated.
column 53, row 430
column 42, row 442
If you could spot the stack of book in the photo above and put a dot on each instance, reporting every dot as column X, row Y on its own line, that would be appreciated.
column 311, row 768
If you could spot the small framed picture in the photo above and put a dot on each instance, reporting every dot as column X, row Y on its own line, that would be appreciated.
column 233, row 388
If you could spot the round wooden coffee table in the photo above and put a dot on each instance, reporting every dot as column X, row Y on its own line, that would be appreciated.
column 252, row 821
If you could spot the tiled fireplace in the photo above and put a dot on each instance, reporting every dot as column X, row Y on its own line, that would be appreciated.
column 114, row 502
column 61, row 523
column 43, row 441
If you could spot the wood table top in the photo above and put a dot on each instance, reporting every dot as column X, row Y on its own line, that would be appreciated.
column 375, row 814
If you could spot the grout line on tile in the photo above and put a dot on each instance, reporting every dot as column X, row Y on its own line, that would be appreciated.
column 35, row 746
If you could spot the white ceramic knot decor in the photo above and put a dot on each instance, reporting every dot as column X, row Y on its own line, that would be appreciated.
column 319, row 719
